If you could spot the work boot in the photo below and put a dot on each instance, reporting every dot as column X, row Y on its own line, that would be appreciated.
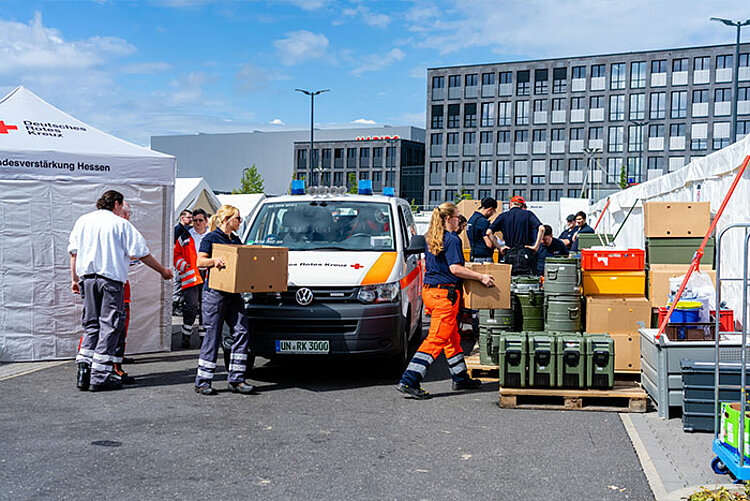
column 185, row 343
column 241, row 387
column 109, row 385
column 205, row 390
column 121, row 375
column 417, row 393
column 84, row 376
column 467, row 384
column 127, row 360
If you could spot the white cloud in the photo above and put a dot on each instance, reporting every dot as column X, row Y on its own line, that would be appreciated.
column 308, row 5
column 368, row 17
column 363, row 121
column 188, row 89
column 555, row 28
column 377, row 62
column 301, row 46
column 276, row 121
column 146, row 68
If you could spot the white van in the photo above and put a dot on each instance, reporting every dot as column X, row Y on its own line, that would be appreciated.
column 355, row 277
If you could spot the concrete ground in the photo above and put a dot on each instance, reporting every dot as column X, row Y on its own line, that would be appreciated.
column 314, row 431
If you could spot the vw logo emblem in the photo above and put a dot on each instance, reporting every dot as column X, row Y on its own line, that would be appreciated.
column 304, row 296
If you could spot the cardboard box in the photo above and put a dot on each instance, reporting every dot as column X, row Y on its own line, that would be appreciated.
column 676, row 219
column 467, row 208
column 478, row 296
column 627, row 352
column 250, row 268
column 658, row 281
column 617, row 315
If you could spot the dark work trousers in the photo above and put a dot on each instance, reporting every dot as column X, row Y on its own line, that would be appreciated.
column 120, row 351
column 220, row 307
column 191, row 308
column 475, row 313
column 204, row 276
column 103, row 317
column 177, row 290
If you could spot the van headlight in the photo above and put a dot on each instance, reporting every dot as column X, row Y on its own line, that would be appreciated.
column 379, row 293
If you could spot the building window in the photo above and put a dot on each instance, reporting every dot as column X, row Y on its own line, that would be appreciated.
column 573, row 193
column 503, row 136
column 701, row 63
column 743, row 128
column 541, row 81
column 351, row 157
column 558, row 104
column 363, row 175
column 614, row 168
column 700, row 96
column 470, row 115
column 638, row 75
column 559, row 80
column 558, row 134
column 743, row 94
column 451, row 173
column 537, row 195
column 635, row 138
column 472, row 80
column 556, row 165
column 377, row 153
column 488, row 113
column 617, row 77
column 540, row 135
column 677, row 130
column 575, row 164
column 634, row 170
column 522, row 82
column 655, row 163
column 659, row 66
column 451, row 195
column 435, row 177
column 488, row 79
column 506, row 77
column 503, row 113
column 637, row 106
column 452, row 144
column 596, row 133
column 522, row 113
column 744, row 60
column 519, row 179
column 697, row 144
column 576, row 133
column 540, row 105
column 598, row 70
column 482, row 194
column 364, row 157
column 338, row 178
column 579, row 72
column 679, row 104
column 485, row 172
column 679, row 64
column 522, row 136
column 722, row 95
column 470, row 137
column 454, row 116
column 503, row 176
column 616, row 108
column 656, row 130
column 437, row 116
column 596, row 102
column 454, row 81
column 390, row 157
column 724, row 62
column 555, row 195
column 501, row 194
column 538, row 179
column 485, row 137
column 614, row 139
column 438, row 82
column 577, row 103
column 658, row 108
column 468, row 174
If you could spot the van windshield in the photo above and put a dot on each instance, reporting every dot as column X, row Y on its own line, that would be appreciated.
column 324, row 225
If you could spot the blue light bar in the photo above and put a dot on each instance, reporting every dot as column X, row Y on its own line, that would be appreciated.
column 298, row 187
column 389, row 191
column 365, row 187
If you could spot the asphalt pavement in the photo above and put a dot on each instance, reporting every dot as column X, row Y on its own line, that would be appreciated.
column 314, row 431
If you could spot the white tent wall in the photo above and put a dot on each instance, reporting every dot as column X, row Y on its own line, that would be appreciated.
column 192, row 192
column 706, row 179
column 40, row 315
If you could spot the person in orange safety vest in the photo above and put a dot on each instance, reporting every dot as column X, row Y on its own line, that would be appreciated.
column 186, row 263
column 444, row 269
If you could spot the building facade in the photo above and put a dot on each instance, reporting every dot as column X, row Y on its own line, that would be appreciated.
column 386, row 160
column 541, row 129
column 221, row 158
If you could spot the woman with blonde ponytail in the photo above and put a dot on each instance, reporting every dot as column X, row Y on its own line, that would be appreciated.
column 444, row 269
column 220, row 307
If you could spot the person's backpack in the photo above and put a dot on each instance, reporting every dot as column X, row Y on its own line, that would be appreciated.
column 522, row 261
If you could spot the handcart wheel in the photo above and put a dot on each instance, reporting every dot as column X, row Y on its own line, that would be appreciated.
column 719, row 467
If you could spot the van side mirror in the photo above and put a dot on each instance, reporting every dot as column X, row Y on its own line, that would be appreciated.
column 416, row 246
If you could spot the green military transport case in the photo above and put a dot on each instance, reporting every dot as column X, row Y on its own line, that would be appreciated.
column 600, row 361
column 542, row 359
column 571, row 360
column 678, row 251
column 512, row 355
column 588, row 240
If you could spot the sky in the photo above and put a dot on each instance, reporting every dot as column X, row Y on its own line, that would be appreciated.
column 142, row 68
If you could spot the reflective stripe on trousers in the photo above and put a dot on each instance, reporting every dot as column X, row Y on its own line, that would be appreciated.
column 219, row 307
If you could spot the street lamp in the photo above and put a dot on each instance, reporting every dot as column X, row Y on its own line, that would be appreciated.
column 312, row 94
column 738, row 25
column 641, row 124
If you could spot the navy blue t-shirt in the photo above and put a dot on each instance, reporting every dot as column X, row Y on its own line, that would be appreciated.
column 567, row 234
column 555, row 249
column 216, row 237
column 580, row 229
column 437, row 268
column 519, row 227
column 476, row 229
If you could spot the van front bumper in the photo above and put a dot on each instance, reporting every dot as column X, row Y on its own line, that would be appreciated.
column 350, row 328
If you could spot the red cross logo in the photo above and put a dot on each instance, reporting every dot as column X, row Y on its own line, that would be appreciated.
column 5, row 128
column 357, row 266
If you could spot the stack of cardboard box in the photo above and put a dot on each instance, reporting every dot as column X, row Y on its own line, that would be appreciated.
column 674, row 231
column 467, row 208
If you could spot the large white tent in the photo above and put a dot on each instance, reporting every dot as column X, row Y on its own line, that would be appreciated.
column 191, row 193
column 53, row 168
column 705, row 179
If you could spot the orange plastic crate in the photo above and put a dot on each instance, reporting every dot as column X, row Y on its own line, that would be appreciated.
column 613, row 260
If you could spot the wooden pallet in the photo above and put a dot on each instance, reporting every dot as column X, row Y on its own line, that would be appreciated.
column 476, row 370
column 626, row 396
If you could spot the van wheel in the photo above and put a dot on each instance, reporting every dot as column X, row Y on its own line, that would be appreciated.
column 401, row 357
column 248, row 367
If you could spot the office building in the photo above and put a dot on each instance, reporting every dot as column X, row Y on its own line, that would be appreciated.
column 541, row 129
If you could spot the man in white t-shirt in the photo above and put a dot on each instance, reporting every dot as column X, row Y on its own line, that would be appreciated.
column 101, row 246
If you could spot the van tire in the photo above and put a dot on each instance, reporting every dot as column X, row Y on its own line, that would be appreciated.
column 398, row 360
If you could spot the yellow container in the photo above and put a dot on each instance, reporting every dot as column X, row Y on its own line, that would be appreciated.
column 614, row 283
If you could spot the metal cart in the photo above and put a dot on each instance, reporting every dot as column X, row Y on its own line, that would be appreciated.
column 729, row 460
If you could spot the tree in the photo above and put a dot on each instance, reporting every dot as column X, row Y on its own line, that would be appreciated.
column 351, row 181
column 623, row 177
column 252, row 182
column 462, row 195
column 414, row 206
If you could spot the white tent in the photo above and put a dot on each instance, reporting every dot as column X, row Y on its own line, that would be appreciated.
column 705, row 179
column 191, row 193
column 52, row 169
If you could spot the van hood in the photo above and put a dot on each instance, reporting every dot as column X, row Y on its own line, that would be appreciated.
column 340, row 268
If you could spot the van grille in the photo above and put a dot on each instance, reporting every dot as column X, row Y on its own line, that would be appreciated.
column 279, row 327
column 320, row 294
